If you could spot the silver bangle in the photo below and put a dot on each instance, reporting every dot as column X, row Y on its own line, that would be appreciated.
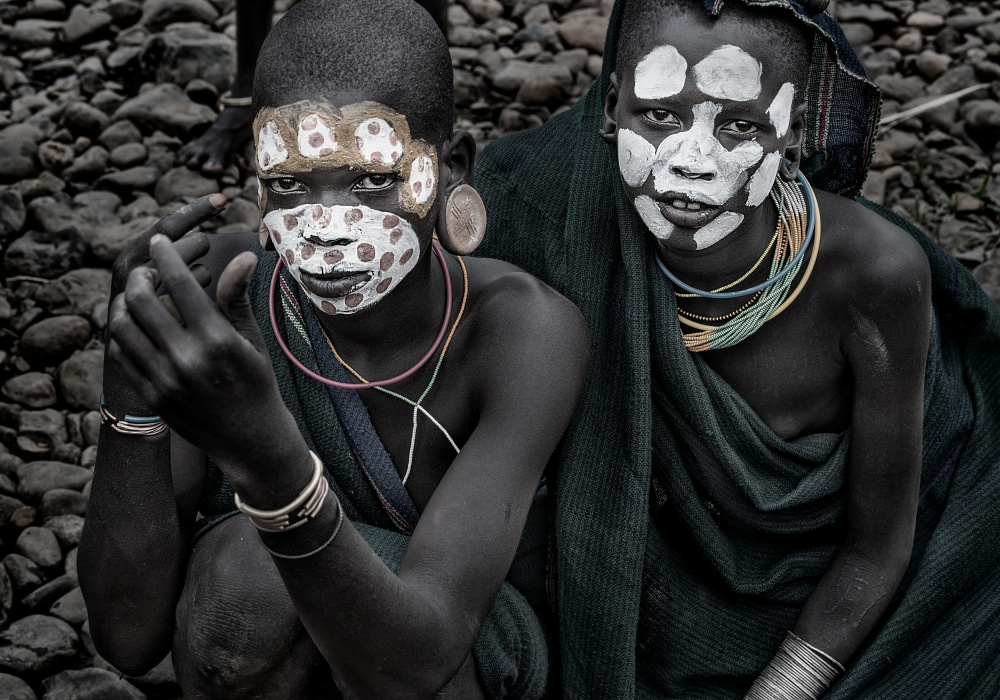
column 132, row 425
column 798, row 671
column 227, row 100
column 300, row 510
column 336, row 531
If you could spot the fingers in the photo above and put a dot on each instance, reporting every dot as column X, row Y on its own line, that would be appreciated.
column 147, row 310
column 202, row 275
column 131, row 341
column 135, row 377
column 232, row 300
column 177, row 281
column 175, row 225
column 192, row 246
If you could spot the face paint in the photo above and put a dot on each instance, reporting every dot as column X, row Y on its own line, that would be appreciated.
column 780, row 111
column 270, row 146
column 316, row 138
column 762, row 180
column 717, row 229
column 366, row 136
column 635, row 157
column 649, row 212
column 729, row 73
column 660, row 73
column 382, row 250
column 684, row 159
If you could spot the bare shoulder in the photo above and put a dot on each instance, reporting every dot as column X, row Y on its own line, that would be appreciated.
column 517, row 318
column 869, row 261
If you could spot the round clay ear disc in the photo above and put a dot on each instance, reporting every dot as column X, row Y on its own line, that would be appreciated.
column 465, row 221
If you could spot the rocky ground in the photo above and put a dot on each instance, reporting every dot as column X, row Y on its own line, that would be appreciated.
column 98, row 96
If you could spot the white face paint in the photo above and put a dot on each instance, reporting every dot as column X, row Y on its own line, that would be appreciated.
column 763, row 180
column 378, row 142
column 729, row 73
column 660, row 74
column 270, row 146
column 683, row 160
column 381, row 244
column 422, row 179
column 651, row 215
column 780, row 111
column 316, row 138
column 635, row 157
column 717, row 229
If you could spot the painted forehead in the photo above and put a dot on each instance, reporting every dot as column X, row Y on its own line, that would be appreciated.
column 727, row 73
column 366, row 136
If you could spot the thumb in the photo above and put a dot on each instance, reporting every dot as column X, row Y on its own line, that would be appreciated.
column 231, row 297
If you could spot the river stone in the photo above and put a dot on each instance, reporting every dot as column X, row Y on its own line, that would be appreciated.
column 81, row 378
column 83, row 119
column 900, row 88
column 64, row 502
column 128, row 154
column 586, row 31
column 182, row 55
column 6, row 592
column 55, row 156
column 183, row 183
column 40, row 546
column 40, row 432
column 83, row 23
column 32, row 389
column 43, row 254
column 166, row 107
column 12, row 212
column 52, row 340
column 119, row 134
column 139, row 177
column 89, row 684
column 108, row 201
column 44, row 596
column 8, row 505
column 157, row 14
column 115, row 239
column 17, row 158
column 71, row 608
column 511, row 75
column 88, row 165
column 13, row 688
column 25, row 576
column 66, row 528
column 76, row 292
column 37, row 644
column 36, row 478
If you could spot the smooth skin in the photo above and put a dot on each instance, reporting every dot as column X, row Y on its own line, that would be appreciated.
column 251, row 626
column 849, row 352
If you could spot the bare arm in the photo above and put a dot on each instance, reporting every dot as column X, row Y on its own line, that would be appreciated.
column 886, row 349
column 133, row 550
column 384, row 635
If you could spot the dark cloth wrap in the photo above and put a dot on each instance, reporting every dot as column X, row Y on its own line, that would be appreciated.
column 687, row 533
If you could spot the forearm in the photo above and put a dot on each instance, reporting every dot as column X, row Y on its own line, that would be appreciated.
column 851, row 597
column 132, row 551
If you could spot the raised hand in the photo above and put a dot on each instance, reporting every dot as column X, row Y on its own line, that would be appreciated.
column 206, row 372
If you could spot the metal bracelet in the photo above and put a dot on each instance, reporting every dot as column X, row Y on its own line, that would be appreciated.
column 336, row 531
column 300, row 510
column 798, row 671
column 132, row 425
column 227, row 100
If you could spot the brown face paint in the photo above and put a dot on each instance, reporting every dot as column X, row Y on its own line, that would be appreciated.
column 366, row 136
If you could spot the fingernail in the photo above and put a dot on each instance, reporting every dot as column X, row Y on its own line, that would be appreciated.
column 218, row 201
column 156, row 239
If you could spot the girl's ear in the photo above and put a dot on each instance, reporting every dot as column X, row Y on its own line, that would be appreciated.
column 609, row 130
column 789, row 166
column 461, row 221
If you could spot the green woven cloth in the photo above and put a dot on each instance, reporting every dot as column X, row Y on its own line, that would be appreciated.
column 687, row 533
column 511, row 652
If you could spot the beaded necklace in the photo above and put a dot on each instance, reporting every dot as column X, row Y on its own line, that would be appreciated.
column 417, row 407
column 794, row 225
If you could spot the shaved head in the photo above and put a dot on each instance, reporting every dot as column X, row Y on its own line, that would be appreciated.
column 346, row 51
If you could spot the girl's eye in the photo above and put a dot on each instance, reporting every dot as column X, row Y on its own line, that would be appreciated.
column 661, row 116
column 743, row 128
column 376, row 181
column 285, row 185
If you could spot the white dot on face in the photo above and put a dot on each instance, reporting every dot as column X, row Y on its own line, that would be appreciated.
column 660, row 73
column 729, row 73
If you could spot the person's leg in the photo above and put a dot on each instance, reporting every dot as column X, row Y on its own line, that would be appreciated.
column 238, row 636
column 211, row 151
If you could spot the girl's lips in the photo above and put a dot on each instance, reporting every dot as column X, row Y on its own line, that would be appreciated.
column 334, row 285
column 685, row 217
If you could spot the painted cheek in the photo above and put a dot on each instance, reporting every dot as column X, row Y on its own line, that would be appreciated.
column 635, row 157
column 717, row 229
column 780, row 111
column 422, row 179
column 762, row 180
column 651, row 215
